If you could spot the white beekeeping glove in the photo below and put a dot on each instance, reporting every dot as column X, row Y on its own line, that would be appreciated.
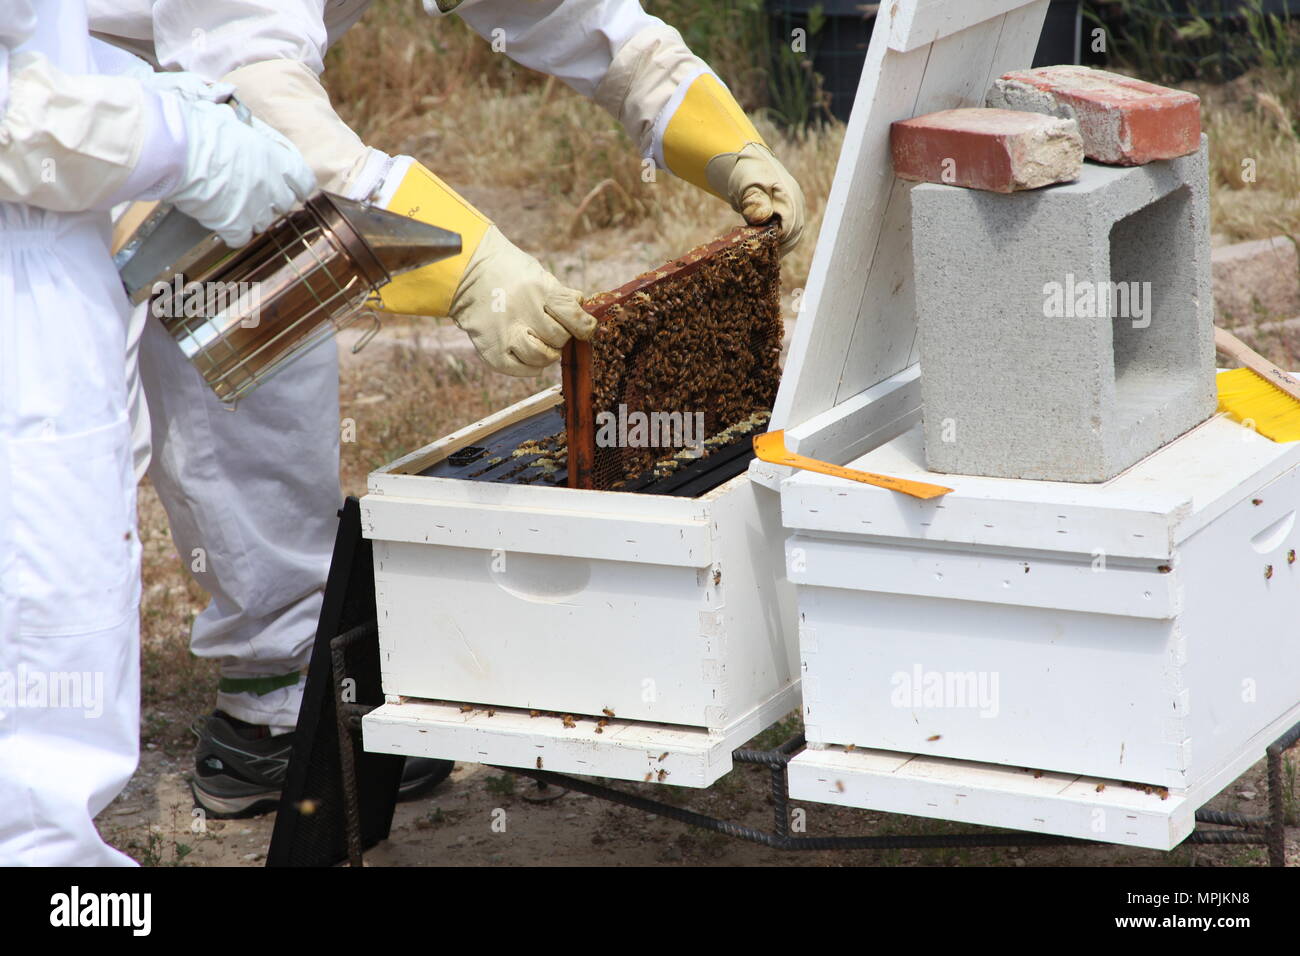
column 238, row 178
column 516, row 313
column 190, row 87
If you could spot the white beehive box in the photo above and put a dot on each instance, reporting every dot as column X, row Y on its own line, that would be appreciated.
column 1135, row 631
column 1131, row 630
column 672, row 614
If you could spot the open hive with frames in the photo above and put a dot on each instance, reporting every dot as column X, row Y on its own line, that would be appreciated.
column 684, row 364
column 666, row 396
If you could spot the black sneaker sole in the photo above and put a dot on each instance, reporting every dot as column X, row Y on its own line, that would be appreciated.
column 234, row 808
column 255, row 805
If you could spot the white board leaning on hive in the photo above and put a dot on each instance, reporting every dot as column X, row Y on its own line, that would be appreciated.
column 850, row 381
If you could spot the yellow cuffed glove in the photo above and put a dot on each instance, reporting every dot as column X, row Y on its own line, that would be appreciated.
column 516, row 313
column 710, row 142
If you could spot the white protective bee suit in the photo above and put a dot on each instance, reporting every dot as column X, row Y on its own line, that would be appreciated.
column 76, row 137
column 252, row 495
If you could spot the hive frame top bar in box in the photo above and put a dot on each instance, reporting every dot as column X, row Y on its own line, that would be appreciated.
column 857, row 330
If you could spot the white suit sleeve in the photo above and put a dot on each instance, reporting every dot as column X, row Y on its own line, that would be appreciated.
column 213, row 39
column 71, row 142
column 272, row 53
column 632, row 64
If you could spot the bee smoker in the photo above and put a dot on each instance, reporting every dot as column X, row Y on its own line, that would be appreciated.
column 242, row 315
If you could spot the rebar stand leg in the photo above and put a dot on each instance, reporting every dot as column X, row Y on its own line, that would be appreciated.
column 347, row 755
column 1276, row 810
column 781, row 801
column 1277, row 796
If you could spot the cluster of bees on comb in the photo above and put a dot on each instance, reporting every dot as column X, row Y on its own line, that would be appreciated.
column 701, row 335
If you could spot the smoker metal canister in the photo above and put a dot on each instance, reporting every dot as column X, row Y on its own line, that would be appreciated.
column 292, row 288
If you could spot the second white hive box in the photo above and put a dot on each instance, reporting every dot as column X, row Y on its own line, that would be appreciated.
column 1137, row 630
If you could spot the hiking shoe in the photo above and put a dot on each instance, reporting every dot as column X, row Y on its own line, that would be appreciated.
column 239, row 768
column 422, row 774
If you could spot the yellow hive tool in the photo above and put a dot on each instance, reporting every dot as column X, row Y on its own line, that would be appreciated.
column 770, row 447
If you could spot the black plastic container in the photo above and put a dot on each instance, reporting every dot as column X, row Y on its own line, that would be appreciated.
column 838, row 47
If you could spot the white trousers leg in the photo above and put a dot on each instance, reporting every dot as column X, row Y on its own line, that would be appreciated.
column 69, row 645
column 252, row 496
column 69, row 741
column 69, row 555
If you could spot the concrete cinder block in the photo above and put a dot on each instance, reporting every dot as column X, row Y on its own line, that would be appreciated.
column 1064, row 333
column 1001, row 150
column 1123, row 120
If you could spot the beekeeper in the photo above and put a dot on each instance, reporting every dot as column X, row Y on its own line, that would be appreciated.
column 77, row 136
column 252, row 496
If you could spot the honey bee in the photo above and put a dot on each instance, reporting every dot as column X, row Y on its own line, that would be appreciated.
column 649, row 776
column 466, row 708
column 849, row 748
column 534, row 713
column 839, row 785
column 1101, row 787
column 607, row 711
column 568, row 720
column 662, row 775
column 663, row 756
column 933, row 738
column 539, row 763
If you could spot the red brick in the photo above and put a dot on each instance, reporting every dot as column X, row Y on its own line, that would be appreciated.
column 998, row 150
column 1125, row 122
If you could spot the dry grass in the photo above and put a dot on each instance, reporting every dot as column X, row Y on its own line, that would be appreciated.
column 1254, row 129
column 509, row 135
column 410, row 394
